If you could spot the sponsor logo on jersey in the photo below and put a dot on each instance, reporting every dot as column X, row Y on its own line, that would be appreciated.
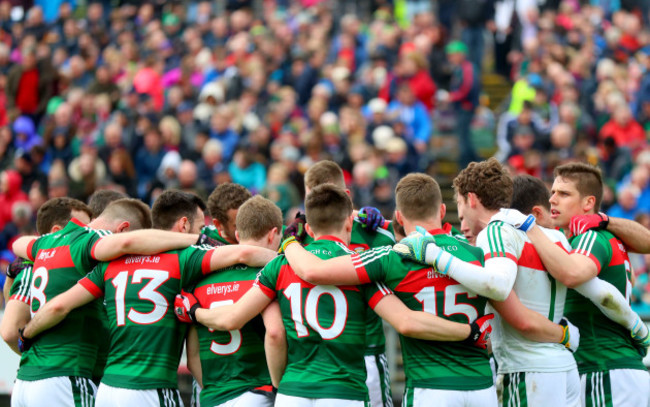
column 142, row 259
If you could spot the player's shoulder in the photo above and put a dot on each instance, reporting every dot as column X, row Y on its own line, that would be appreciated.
column 553, row 234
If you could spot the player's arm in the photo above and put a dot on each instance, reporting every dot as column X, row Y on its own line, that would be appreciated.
column 6, row 290
column 56, row 309
column 419, row 324
column 145, row 242
column 309, row 267
column 16, row 315
column 193, row 357
column 275, row 342
column 234, row 316
column 21, row 246
column 254, row 256
column 635, row 236
column 569, row 269
column 532, row 325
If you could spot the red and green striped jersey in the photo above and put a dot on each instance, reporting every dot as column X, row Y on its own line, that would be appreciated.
column 212, row 232
column 71, row 348
column 326, row 328
column 146, row 340
column 431, row 364
column 604, row 345
column 232, row 362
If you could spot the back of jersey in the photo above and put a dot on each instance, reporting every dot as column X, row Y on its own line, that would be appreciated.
column 432, row 364
column 232, row 363
column 539, row 292
column 604, row 344
column 326, row 329
column 71, row 347
column 146, row 340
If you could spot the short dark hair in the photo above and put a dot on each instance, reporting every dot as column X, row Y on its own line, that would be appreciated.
column 134, row 211
column 100, row 199
column 256, row 217
column 527, row 192
column 327, row 207
column 324, row 172
column 587, row 178
column 418, row 196
column 58, row 212
column 226, row 197
column 489, row 180
column 172, row 205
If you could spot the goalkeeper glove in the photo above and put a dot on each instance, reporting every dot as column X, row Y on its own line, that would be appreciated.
column 571, row 335
column 420, row 247
column 370, row 218
column 24, row 343
column 582, row 223
column 480, row 332
column 296, row 228
column 16, row 266
column 185, row 306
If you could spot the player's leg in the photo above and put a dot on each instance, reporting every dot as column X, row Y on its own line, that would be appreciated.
column 251, row 399
column 417, row 397
column 54, row 391
column 378, row 381
column 108, row 396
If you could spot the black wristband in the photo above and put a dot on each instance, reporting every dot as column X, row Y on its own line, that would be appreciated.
column 474, row 334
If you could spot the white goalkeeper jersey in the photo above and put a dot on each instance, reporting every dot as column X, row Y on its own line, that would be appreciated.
column 538, row 291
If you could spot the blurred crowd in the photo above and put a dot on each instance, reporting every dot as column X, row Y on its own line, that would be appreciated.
column 144, row 96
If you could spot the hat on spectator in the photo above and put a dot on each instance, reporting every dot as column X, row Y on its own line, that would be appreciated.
column 377, row 105
column 381, row 135
column 24, row 125
column 456, row 47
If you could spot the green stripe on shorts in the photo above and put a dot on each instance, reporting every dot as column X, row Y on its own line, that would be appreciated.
column 598, row 391
column 514, row 390
column 82, row 391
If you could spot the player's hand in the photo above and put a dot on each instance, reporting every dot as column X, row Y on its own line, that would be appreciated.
column 17, row 266
column 571, row 337
column 296, row 228
column 420, row 246
column 286, row 242
column 207, row 240
column 23, row 343
column 370, row 218
column 641, row 337
column 185, row 306
column 480, row 332
column 581, row 223
column 515, row 218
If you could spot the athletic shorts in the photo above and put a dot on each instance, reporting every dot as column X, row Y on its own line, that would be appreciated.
column 195, row 401
column 109, row 396
column 536, row 389
column 282, row 400
column 615, row 388
column 54, row 391
column 250, row 399
column 418, row 397
column 378, row 381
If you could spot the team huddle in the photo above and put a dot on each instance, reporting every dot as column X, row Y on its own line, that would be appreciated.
column 105, row 299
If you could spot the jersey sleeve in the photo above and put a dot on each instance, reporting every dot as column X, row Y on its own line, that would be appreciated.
column 94, row 281
column 371, row 265
column 593, row 245
column 20, row 289
column 498, row 240
column 374, row 292
column 195, row 263
column 32, row 249
column 84, row 247
column 267, row 277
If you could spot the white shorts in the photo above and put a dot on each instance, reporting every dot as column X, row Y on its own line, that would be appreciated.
column 536, row 389
column 55, row 391
column 250, row 399
column 378, row 381
column 417, row 397
column 615, row 388
column 109, row 396
column 282, row 400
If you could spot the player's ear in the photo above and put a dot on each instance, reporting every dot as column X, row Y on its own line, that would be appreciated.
column 237, row 235
column 588, row 203
column 270, row 236
column 399, row 217
column 309, row 231
column 55, row 228
column 472, row 199
column 216, row 223
column 123, row 227
column 443, row 211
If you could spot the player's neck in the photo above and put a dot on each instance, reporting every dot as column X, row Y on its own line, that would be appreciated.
column 258, row 243
column 409, row 226
column 342, row 235
column 484, row 217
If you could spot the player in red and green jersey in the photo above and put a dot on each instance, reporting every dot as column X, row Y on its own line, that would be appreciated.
column 58, row 368
column 611, row 368
column 52, row 216
column 231, row 366
column 442, row 371
column 325, row 324
column 223, row 204
column 146, row 341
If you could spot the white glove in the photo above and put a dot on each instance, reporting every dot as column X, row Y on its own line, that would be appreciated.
column 515, row 218
column 420, row 246
column 571, row 338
